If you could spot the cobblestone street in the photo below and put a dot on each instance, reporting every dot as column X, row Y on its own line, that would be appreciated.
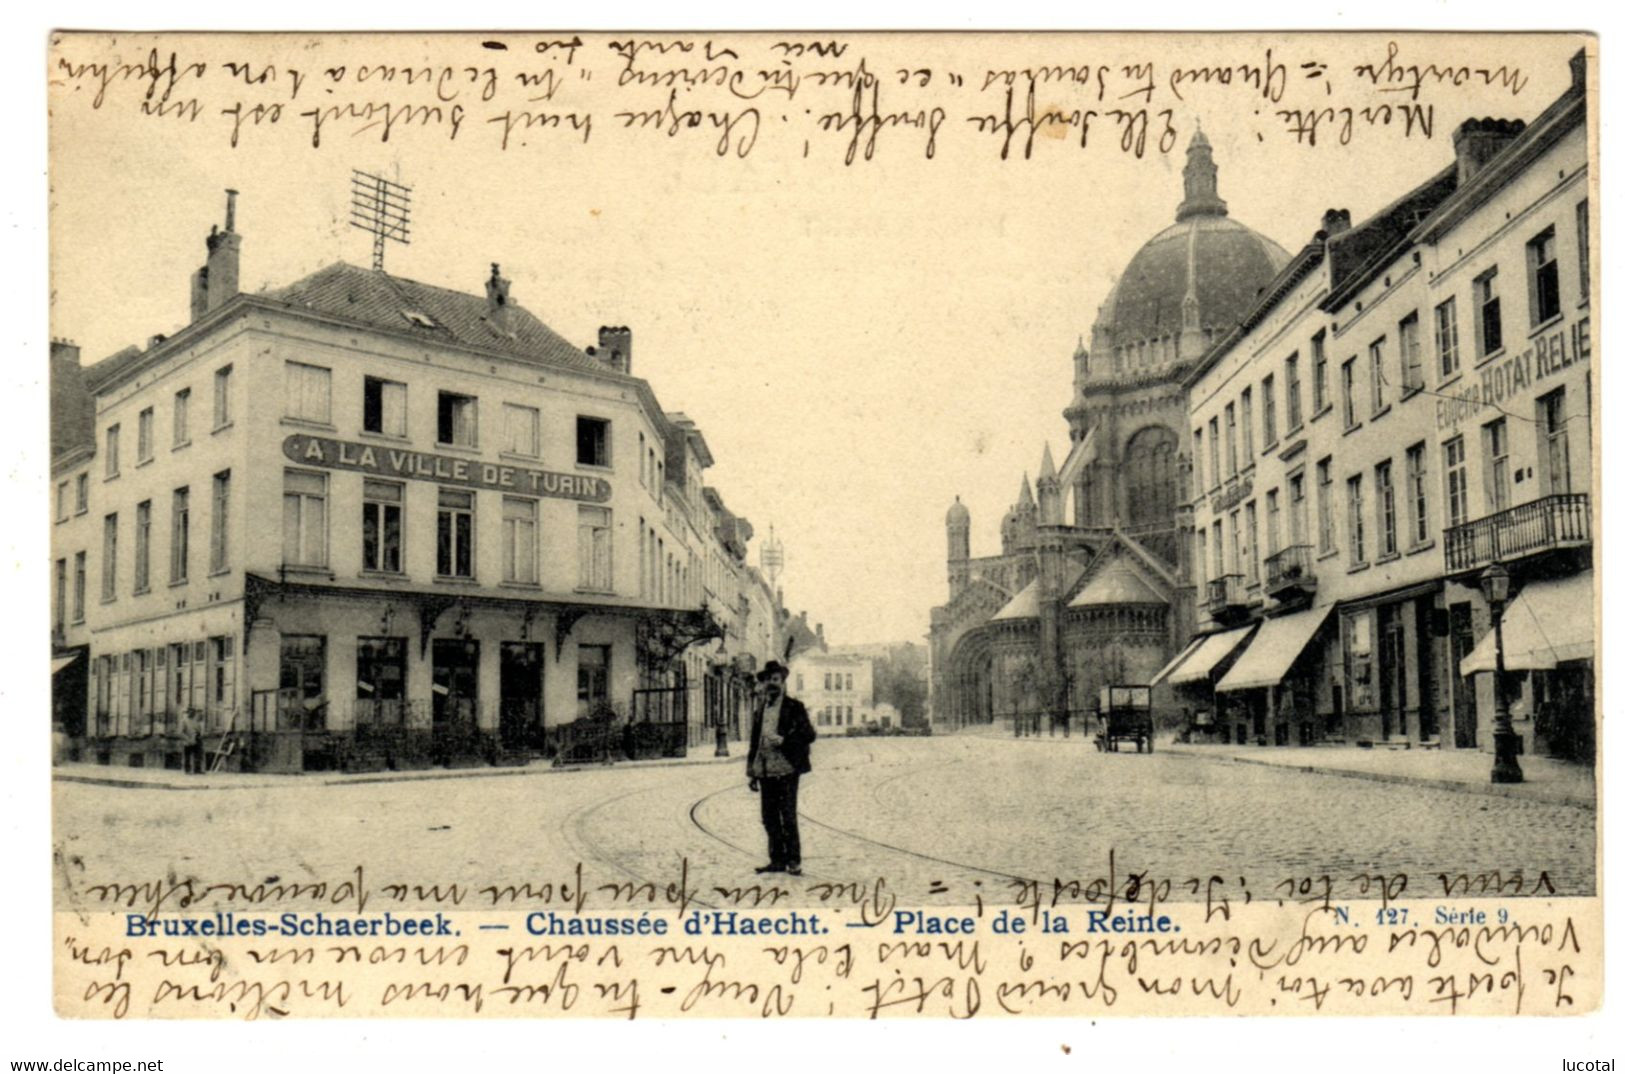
column 942, row 820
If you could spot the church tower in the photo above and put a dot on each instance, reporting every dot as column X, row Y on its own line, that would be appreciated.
column 958, row 523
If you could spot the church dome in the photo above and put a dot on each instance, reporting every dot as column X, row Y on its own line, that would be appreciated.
column 958, row 514
column 1196, row 278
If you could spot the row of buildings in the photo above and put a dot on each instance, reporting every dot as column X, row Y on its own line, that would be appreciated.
column 1292, row 475
column 360, row 521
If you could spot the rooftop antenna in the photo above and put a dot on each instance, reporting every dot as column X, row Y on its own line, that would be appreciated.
column 772, row 557
column 382, row 208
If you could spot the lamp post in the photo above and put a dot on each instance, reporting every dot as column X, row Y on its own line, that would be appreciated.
column 1506, row 769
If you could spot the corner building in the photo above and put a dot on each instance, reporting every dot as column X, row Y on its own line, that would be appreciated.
column 1409, row 403
column 358, row 522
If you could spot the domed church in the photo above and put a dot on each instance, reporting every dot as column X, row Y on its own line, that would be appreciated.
column 1088, row 587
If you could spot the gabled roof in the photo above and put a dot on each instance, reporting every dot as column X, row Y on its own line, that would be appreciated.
column 1023, row 606
column 1117, row 583
column 379, row 300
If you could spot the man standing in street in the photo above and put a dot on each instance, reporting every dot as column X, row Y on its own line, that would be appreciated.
column 780, row 739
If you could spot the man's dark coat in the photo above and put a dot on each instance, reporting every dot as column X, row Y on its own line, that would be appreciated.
column 794, row 728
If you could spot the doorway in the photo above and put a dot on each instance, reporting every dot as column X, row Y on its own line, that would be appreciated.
column 1463, row 692
column 520, row 721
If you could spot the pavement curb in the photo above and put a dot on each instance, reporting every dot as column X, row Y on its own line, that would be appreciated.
column 256, row 781
column 1497, row 790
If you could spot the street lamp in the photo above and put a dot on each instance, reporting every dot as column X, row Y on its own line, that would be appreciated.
column 1496, row 585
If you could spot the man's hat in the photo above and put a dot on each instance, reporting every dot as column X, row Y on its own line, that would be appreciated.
column 770, row 669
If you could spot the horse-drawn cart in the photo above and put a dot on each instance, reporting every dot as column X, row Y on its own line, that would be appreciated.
column 1125, row 716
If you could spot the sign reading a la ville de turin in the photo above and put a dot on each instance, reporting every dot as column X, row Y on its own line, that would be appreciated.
column 443, row 469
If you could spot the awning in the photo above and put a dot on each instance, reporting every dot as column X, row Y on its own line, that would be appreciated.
column 60, row 662
column 1548, row 623
column 1175, row 662
column 1215, row 647
column 1277, row 647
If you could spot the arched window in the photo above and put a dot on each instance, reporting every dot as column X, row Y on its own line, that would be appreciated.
column 1149, row 476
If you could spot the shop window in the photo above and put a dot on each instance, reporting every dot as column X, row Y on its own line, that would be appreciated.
column 302, row 696
column 592, row 679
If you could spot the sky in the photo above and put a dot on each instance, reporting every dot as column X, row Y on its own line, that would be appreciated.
column 859, row 344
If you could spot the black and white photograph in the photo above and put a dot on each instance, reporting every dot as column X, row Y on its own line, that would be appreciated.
column 823, row 485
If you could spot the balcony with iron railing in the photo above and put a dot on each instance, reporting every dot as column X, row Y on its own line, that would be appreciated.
column 1545, row 525
column 1290, row 573
column 1227, row 597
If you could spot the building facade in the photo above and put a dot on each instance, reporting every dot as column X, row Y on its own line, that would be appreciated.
column 1409, row 403
column 837, row 688
column 360, row 521
column 1089, row 588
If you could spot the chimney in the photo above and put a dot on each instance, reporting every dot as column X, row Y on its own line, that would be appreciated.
column 215, row 283
column 1478, row 140
column 496, row 300
column 614, row 348
column 1334, row 222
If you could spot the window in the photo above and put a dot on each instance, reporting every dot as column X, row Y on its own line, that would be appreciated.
column 143, row 436
column 1554, row 433
column 1544, row 300
column 458, row 420
column 1317, row 351
column 1348, row 394
column 827, row 681
column 383, row 406
column 1196, row 460
column 454, row 534
column 1201, row 559
column 849, row 686
column 1323, row 490
column 304, row 518
column 179, row 533
column 112, row 451
column 518, row 540
column 1294, row 394
column 1444, row 337
column 110, row 557
column 222, row 397
column 62, row 502
column 1252, row 542
column 592, row 441
column 81, row 494
column 1247, row 427
column 593, row 547
column 180, row 432
column 1410, row 352
column 380, row 675
column 78, row 587
column 1387, row 511
column 1238, row 550
column 1298, row 505
column 1272, row 518
column 1218, row 548
column 381, row 525
column 59, row 598
column 643, row 466
column 1455, row 480
column 143, row 545
column 592, row 678
column 1496, row 473
column 1487, row 308
column 1416, row 475
column 521, row 430
column 1268, row 388
column 1213, row 450
column 307, row 392
column 1230, row 439
column 1379, row 376
column 1582, row 224
column 1356, row 519
column 219, row 522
